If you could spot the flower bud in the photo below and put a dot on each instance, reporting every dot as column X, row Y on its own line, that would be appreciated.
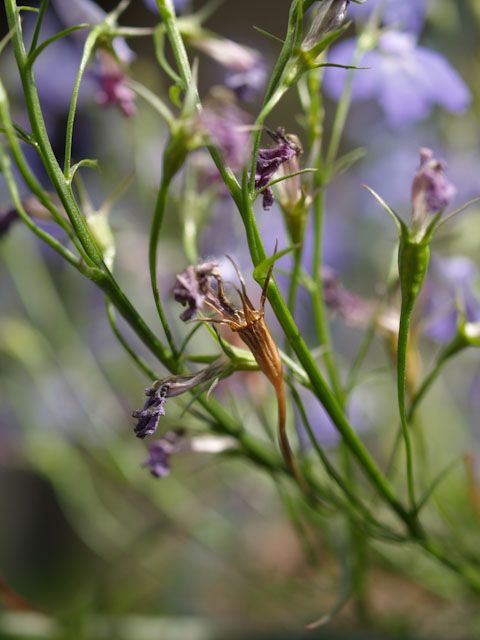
column 329, row 16
column 432, row 192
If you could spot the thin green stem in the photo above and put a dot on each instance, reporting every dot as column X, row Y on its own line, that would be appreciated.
column 402, row 351
column 87, row 53
column 155, row 229
column 38, row 24
column 140, row 362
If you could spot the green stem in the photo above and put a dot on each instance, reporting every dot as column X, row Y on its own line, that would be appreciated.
column 155, row 228
column 402, row 351
column 87, row 53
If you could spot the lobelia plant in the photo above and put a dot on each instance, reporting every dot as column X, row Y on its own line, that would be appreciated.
column 357, row 485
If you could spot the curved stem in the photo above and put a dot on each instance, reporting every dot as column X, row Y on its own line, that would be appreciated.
column 155, row 228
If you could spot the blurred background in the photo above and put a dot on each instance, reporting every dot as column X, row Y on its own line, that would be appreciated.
column 98, row 548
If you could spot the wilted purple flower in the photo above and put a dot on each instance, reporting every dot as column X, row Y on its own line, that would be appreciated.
column 449, row 291
column 408, row 15
column 270, row 160
column 153, row 409
column 112, row 86
column 432, row 192
column 158, row 461
column 192, row 286
column 170, row 387
column 407, row 80
column 7, row 219
column 353, row 309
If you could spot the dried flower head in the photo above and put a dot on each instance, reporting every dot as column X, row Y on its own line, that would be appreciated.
column 270, row 160
column 249, row 323
column 169, row 387
column 192, row 286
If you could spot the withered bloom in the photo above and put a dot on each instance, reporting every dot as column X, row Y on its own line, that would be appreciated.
column 250, row 325
column 191, row 287
column 270, row 160
column 156, row 395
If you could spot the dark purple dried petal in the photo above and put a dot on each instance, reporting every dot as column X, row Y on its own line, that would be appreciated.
column 158, row 461
column 270, row 160
column 7, row 219
column 154, row 407
column 191, row 287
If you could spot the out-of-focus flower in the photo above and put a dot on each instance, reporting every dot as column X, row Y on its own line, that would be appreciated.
column 408, row 15
column 449, row 296
column 329, row 16
column 174, row 442
column 158, row 461
column 109, row 74
column 192, row 287
column 7, row 219
column 354, row 310
column 226, row 125
column 245, row 66
column 407, row 80
column 270, row 160
column 178, row 4
column 73, row 12
column 112, row 86
column 156, row 395
column 432, row 191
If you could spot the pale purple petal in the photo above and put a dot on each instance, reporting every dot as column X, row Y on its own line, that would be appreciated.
column 443, row 82
column 365, row 81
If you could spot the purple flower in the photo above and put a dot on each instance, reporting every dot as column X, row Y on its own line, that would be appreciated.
column 449, row 290
column 270, row 160
column 407, row 80
column 158, row 461
column 432, row 192
column 153, row 409
column 408, row 15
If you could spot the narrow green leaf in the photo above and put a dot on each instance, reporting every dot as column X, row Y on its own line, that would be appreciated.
column 61, row 34
column 86, row 162
column 400, row 224
column 261, row 270
column 269, row 35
